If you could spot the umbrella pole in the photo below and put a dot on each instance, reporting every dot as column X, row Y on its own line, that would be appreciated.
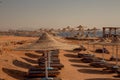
column 116, row 55
column 49, row 59
column 46, row 70
column 93, row 49
column 88, row 47
column 112, row 51
column 82, row 42
column 103, row 53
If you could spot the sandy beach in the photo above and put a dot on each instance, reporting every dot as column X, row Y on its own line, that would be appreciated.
column 15, row 64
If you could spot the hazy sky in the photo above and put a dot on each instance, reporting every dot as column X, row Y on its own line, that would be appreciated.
column 58, row 13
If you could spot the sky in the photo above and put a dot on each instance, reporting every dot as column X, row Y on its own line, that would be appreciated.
column 34, row 14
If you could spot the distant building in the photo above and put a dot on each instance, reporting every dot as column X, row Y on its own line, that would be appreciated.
column 110, row 31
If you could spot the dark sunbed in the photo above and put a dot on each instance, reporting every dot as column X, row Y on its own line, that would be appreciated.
column 101, row 51
column 56, row 60
column 42, row 73
column 43, row 69
column 118, row 73
column 81, row 55
column 113, row 59
column 90, row 59
column 98, row 64
column 111, row 68
column 59, row 66
column 43, row 78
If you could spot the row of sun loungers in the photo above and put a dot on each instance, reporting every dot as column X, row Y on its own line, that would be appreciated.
column 53, row 70
column 99, row 63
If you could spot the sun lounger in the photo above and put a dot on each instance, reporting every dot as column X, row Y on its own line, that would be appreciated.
column 43, row 69
column 54, row 60
column 51, row 58
column 90, row 59
column 118, row 73
column 59, row 66
column 101, row 51
column 81, row 55
column 43, row 78
column 111, row 68
column 79, row 49
column 42, row 73
column 98, row 64
column 113, row 59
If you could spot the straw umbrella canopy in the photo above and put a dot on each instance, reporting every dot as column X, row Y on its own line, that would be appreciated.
column 47, row 42
column 81, row 30
column 94, row 31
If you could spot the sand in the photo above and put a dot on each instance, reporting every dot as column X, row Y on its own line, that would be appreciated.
column 14, row 64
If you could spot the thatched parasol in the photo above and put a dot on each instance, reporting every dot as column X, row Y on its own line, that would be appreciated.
column 93, row 42
column 47, row 42
column 115, row 42
column 94, row 31
column 102, row 42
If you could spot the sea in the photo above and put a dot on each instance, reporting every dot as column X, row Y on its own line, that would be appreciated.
column 70, row 34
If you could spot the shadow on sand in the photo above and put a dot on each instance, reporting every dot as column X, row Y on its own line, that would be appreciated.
column 30, row 60
column 19, row 75
column 80, row 65
column 22, row 64
column 73, row 51
column 71, row 55
column 32, row 55
column 91, row 71
column 75, row 60
column 102, row 79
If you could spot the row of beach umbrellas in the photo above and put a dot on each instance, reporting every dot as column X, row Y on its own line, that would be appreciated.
column 114, row 42
column 46, row 43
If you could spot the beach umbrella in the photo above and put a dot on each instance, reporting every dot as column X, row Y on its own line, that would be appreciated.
column 72, row 32
column 102, row 42
column 81, row 30
column 88, row 39
column 115, row 42
column 93, row 42
column 53, row 32
column 46, row 43
column 94, row 31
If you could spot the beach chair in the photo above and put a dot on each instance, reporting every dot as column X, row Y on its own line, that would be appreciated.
column 111, row 68
column 81, row 55
column 114, row 59
column 118, row 73
column 101, row 51
column 35, row 74
column 90, row 59
column 50, row 78
column 43, row 69
column 78, row 49
column 54, row 60
column 59, row 66
column 98, row 64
